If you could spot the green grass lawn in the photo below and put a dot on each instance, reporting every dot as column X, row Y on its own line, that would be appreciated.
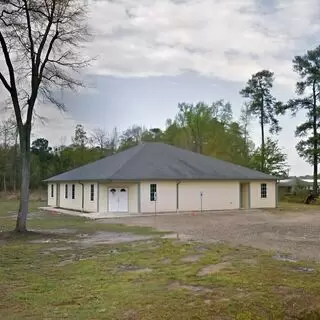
column 46, row 221
column 61, row 278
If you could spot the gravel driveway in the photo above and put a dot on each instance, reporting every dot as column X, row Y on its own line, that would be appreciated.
column 297, row 234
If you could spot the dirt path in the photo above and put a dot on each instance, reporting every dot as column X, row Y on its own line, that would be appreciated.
column 295, row 233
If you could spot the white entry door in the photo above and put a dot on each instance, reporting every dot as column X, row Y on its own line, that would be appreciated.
column 113, row 199
column 123, row 200
column 118, row 199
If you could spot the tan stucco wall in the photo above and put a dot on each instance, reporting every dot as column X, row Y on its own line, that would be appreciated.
column 90, row 206
column 255, row 196
column 132, row 194
column 133, row 198
column 76, row 203
column 70, row 203
column 166, row 196
column 216, row 195
column 52, row 201
column 103, row 196
column 100, row 196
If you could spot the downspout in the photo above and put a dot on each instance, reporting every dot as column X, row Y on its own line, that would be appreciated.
column 177, row 196
column 240, row 196
column 82, row 193
column 139, row 196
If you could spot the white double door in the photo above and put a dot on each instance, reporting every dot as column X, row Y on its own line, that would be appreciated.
column 118, row 199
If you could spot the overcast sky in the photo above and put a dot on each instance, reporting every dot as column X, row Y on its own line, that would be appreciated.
column 152, row 54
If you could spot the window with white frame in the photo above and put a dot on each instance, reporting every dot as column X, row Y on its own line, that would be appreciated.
column 73, row 191
column 92, row 192
column 153, row 192
column 52, row 191
column 263, row 190
column 66, row 191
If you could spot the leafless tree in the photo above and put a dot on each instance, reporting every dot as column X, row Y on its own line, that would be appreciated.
column 114, row 140
column 40, row 41
column 104, row 140
column 245, row 121
column 100, row 138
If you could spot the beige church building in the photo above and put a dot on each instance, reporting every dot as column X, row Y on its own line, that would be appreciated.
column 156, row 177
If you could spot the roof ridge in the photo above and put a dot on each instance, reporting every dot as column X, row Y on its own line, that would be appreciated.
column 139, row 147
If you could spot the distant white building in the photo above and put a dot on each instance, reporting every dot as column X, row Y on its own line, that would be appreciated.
column 290, row 185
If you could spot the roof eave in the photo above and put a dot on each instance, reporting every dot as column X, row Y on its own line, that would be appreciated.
column 165, row 179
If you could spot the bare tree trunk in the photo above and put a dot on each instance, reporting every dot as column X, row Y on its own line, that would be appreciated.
column 15, row 156
column 315, row 143
column 262, row 137
column 21, row 225
column 246, row 143
column 4, row 183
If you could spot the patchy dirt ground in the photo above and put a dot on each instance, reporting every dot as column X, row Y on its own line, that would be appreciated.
column 89, row 240
column 86, row 269
column 293, row 232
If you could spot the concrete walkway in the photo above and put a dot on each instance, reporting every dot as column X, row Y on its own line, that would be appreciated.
column 90, row 215
column 109, row 215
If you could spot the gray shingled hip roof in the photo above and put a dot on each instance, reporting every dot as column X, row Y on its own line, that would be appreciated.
column 159, row 161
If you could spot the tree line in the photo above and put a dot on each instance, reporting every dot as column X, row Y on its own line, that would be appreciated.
column 209, row 129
